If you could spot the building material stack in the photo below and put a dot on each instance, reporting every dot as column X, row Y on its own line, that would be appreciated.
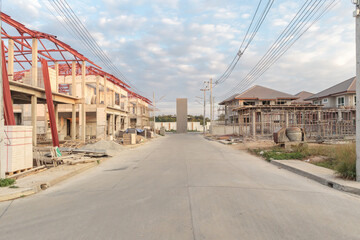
column 129, row 139
column 18, row 148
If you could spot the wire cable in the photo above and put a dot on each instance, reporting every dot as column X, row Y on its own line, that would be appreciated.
column 294, row 30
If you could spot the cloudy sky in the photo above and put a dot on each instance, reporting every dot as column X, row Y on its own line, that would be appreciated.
column 171, row 47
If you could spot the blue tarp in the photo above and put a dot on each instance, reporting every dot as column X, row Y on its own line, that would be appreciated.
column 138, row 130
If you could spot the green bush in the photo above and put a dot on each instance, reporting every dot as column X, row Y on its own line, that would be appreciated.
column 6, row 182
column 345, row 160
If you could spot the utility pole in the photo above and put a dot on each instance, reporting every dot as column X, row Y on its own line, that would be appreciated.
column 154, row 109
column 204, row 118
column 2, row 143
column 211, row 105
column 357, row 32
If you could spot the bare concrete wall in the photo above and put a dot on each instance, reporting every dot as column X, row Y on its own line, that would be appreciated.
column 224, row 130
column 181, row 115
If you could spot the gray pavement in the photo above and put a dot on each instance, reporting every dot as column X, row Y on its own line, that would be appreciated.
column 184, row 187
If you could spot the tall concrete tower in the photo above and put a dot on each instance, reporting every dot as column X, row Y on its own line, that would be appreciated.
column 181, row 115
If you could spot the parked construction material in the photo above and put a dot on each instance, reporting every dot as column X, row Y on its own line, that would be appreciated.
column 129, row 139
column 110, row 147
column 18, row 148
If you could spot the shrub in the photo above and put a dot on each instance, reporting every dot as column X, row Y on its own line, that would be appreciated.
column 345, row 160
column 6, row 182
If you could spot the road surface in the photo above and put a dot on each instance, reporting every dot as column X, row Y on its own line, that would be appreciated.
column 184, row 187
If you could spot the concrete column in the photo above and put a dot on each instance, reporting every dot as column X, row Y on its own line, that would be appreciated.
column 319, row 125
column 83, row 110
column 303, row 119
column 116, row 124
column 253, row 123
column 112, row 121
column 73, row 89
column 262, row 123
column 56, row 77
column 97, row 91
column 34, row 63
column 286, row 119
column 73, row 78
column 113, row 98
column 73, row 122
column 105, row 91
column 240, row 122
column 56, row 109
column 339, row 116
column 45, row 120
column 34, row 119
column 11, row 59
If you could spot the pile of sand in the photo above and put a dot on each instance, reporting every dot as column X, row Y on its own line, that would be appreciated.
column 111, row 148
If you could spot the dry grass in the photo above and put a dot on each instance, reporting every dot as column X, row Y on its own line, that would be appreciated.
column 341, row 157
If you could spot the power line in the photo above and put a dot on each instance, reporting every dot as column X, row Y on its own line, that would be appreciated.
column 246, row 40
column 294, row 30
column 72, row 22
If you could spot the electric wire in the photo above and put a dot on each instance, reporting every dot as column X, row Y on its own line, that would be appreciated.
column 288, row 37
column 70, row 19
column 247, row 41
column 284, row 38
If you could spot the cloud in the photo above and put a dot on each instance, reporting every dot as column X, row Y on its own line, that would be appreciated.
column 172, row 47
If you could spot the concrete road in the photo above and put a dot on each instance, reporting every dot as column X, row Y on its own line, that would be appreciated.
column 184, row 187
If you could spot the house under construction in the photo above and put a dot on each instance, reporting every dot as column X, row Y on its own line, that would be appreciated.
column 260, row 111
column 86, row 102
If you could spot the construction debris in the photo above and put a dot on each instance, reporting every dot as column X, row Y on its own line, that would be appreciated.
column 111, row 148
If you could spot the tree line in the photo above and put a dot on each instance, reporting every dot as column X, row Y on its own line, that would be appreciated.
column 172, row 118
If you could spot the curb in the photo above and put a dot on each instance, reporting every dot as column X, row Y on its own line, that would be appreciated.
column 12, row 196
column 318, row 179
column 43, row 186
column 70, row 174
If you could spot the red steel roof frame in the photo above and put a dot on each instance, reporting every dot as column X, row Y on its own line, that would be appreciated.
column 65, row 70
column 22, row 41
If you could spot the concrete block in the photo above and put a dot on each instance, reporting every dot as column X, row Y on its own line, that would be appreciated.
column 18, row 148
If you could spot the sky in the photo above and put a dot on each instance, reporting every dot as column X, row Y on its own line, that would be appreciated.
column 170, row 47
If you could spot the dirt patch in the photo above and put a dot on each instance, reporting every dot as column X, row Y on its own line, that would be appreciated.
column 263, row 144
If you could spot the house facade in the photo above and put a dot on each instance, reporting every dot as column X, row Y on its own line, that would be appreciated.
column 338, row 101
column 339, row 96
column 254, row 96
column 107, row 104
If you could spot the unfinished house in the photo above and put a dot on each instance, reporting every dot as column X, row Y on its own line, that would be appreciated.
column 24, row 50
column 256, row 96
column 106, row 100
column 96, row 108
column 259, row 111
column 338, row 116
column 301, row 96
column 139, row 111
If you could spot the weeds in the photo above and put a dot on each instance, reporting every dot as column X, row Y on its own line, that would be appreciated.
column 6, row 182
column 341, row 158
column 345, row 156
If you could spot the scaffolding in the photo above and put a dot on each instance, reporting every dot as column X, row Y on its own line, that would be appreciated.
column 261, row 121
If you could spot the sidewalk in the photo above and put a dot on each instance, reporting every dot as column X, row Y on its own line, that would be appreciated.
column 40, row 181
column 322, row 175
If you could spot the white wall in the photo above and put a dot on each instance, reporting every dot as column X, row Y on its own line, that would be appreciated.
column 192, row 126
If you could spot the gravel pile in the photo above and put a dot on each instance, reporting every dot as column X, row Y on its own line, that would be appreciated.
column 112, row 148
